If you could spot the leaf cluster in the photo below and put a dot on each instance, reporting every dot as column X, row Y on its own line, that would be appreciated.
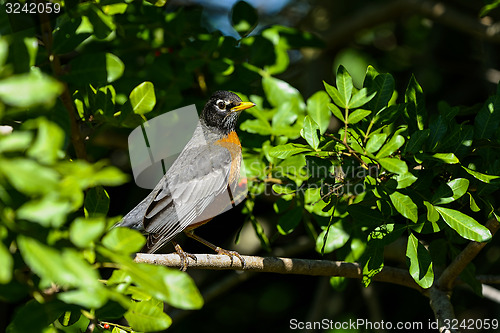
column 391, row 169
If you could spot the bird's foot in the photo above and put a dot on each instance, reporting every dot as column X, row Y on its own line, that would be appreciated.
column 184, row 257
column 231, row 254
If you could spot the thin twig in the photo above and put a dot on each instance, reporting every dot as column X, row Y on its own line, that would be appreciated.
column 450, row 274
column 489, row 279
column 350, row 150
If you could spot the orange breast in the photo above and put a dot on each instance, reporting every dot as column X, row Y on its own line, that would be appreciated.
column 232, row 143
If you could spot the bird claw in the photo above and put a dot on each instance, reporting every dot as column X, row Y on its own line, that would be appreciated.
column 184, row 255
column 232, row 254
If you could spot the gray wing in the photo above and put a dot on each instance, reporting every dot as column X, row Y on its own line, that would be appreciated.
column 192, row 183
column 195, row 181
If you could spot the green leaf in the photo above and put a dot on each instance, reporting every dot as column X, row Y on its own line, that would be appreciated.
column 344, row 85
column 438, row 129
column 405, row 179
column 317, row 109
column 124, row 240
column 357, row 116
column 473, row 206
column 420, row 263
column 182, row 290
column 383, row 86
column 417, row 140
column 29, row 90
column 489, row 7
column 465, row 225
column 365, row 215
column 96, row 202
column 336, row 238
column 89, row 298
column 390, row 147
column 488, row 119
column 143, row 98
column 450, row 191
column 114, row 67
column 67, row 268
column 83, row 232
column 415, row 104
column 284, row 151
column 432, row 213
column 404, row 205
column 48, row 143
column 35, row 317
column 4, row 51
column 361, row 98
column 481, row 176
column 50, row 210
column 335, row 95
column 15, row 141
column 284, row 189
column 279, row 92
column 96, row 69
column 448, row 158
column 257, row 126
column 458, row 140
column 23, row 179
column 310, row 132
column 336, row 111
column 147, row 316
column 284, row 117
column 394, row 165
column 375, row 142
column 260, row 233
column 166, row 284
column 6, row 264
column 65, row 37
column 102, row 23
column 289, row 221
column 244, row 18
column 371, row 74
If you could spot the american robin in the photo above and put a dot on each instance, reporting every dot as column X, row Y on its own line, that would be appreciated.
column 192, row 190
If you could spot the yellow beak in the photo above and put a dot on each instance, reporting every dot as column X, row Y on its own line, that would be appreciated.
column 242, row 106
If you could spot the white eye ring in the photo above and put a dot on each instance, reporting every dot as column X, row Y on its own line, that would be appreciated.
column 221, row 104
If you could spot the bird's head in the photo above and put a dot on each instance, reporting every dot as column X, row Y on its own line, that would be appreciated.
column 223, row 109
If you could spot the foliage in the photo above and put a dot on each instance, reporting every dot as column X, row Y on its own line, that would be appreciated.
column 58, row 256
column 391, row 170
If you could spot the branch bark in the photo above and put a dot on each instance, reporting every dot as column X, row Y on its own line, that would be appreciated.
column 450, row 274
column 282, row 266
column 442, row 308
column 55, row 63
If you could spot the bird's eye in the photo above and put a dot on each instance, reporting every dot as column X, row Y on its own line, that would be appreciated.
column 221, row 105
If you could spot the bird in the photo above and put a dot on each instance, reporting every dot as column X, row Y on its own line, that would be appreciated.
column 193, row 189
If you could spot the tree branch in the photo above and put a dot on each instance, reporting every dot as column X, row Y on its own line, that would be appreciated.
column 55, row 63
column 437, row 11
column 282, row 266
column 450, row 274
column 489, row 279
column 443, row 310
